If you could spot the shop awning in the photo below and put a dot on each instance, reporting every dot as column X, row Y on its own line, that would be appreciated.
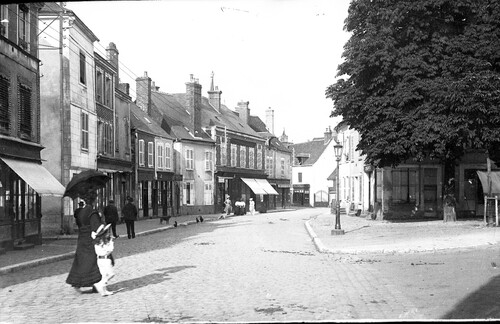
column 256, row 188
column 37, row 177
column 267, row 186
column 493, row 182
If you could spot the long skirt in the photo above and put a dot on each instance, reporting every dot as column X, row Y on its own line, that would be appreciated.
column 84, row 271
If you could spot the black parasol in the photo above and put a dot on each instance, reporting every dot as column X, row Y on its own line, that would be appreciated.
column 84, row 182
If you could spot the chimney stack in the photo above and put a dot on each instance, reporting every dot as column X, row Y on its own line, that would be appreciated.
column 214, row 95
column 193, row 103
column 112, row 54
column 243, row 111
column 328, row 135
column 143, row 93
column 270, row 120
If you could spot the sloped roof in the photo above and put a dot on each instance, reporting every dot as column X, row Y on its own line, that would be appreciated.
column 260, row 127
column 312, row 148
column 141, row 121
column 177, row 117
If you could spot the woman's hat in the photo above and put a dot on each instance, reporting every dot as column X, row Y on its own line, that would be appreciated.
column 81, row 203
column 100, row 231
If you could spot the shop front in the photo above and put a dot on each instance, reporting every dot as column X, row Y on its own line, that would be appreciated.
column 23, row 183
column 301, row 195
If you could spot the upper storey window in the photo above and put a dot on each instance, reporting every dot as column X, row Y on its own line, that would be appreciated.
column 23, row 26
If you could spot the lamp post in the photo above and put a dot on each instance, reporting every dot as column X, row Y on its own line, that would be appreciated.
column 369, row 169
column 338, row 153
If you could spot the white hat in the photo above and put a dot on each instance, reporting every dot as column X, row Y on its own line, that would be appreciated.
column 100, row 231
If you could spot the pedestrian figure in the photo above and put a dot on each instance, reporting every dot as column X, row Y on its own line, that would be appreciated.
column 104, row 245
column 251, row 206
column 77, row 212
column 111, row 216
column 129, row 213
column 228, row 207
column 84, row 270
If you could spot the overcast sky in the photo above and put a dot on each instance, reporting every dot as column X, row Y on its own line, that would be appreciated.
column 278, row 54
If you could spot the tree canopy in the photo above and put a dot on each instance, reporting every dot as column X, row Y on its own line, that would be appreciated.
column 421, row 78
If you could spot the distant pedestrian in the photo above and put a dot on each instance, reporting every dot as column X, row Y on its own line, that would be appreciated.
column 129, row 213
column 251, row 206
column 111, row 216
column 228, row 207
column 77, row 212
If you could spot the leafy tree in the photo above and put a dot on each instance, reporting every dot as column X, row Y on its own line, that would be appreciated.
column 421, row 79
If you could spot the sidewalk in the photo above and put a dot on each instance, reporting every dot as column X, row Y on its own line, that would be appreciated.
column 363, row 235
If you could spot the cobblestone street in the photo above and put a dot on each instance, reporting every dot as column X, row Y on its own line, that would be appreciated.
column 260, row 268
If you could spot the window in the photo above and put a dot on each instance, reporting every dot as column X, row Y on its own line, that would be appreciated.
column 269, row 164
column 4, row 104
column 189, row 159
column 208, row 194
column 85, row 131
column 23, row 27
column 300, row 176
column 150, row 154
column 159, row 155
column 282, row 167
column 259, row 156
column 243, row 156
column 208, row 161
column 233, row 154
column 108, row 138
column 188, row 196
column 223, row 153
column 141, row 153
column 108, row 91
column 4, row 15
column 168, row 156
column 83, row 76
column 24, row 111
column 99, row 86
column 404, row 185
column 251, row 157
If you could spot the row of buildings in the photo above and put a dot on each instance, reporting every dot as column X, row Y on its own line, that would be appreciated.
column 414, row 189
column 63, row 110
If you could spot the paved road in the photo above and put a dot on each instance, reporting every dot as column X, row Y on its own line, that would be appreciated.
column 253, row 269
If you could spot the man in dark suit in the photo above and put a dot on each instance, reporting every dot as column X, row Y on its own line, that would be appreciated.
column 129, row 213
column 111, row 216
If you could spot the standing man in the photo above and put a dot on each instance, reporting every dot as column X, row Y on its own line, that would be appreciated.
column 111, row 216
column 77, row 212
column 129, row 213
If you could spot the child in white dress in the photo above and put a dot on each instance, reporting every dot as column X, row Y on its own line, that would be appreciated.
column 104, row 245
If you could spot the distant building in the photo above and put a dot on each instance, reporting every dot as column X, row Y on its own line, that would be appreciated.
column 313, row 163
column 278, row 161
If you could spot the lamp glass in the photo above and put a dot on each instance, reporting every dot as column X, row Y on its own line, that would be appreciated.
column 338, row 150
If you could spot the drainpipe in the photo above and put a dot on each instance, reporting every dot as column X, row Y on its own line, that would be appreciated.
column 61, row 102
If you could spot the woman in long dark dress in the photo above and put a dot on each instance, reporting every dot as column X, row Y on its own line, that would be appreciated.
column 84, row 271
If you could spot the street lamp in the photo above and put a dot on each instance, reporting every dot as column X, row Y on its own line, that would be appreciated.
column 369, row 169
column 338, row 154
